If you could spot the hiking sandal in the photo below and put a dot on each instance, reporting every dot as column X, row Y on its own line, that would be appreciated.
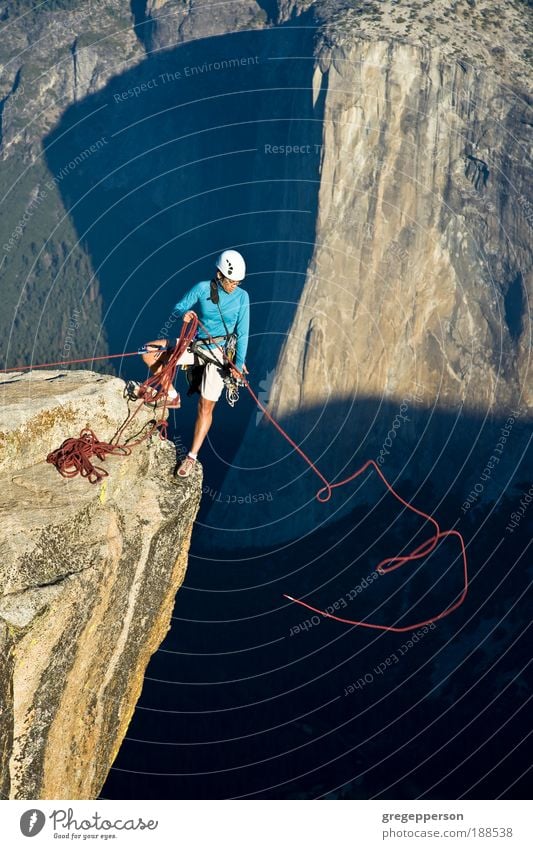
column 169, row 403
column 186, row 467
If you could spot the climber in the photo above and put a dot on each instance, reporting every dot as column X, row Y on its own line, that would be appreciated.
column 224, row 310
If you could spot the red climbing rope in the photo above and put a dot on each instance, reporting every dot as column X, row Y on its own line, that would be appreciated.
column 324, row 494
column 74, row 455
column 69, row 362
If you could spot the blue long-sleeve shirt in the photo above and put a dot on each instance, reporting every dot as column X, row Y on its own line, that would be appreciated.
column 234, row 307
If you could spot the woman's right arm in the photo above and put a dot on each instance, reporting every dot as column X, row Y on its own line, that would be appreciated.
column 190, row 299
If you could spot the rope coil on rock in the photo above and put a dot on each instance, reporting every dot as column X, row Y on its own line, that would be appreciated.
column 74, row 455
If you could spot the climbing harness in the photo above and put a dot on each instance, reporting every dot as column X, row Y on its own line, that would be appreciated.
column 73, row 457
column 201, row 348
column 194, row 373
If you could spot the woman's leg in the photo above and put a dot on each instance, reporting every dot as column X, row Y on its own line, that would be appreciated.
column 212, row 386
column 155, row 360
column 204, row 420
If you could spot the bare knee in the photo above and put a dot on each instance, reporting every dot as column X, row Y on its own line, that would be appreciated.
column 151, row 358
column 205, row 408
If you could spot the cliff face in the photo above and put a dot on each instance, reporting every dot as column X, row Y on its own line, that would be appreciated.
column 416, row 295
column 166, row 24
column 88, row 577
column 422, row 265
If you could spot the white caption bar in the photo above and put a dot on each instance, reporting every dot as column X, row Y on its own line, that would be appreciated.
column 266, row 824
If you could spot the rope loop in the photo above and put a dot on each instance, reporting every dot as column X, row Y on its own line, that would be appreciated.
column 73, row 457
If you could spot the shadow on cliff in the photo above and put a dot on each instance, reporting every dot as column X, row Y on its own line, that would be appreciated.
column 252, row 695
column 433, row 456
column 179, row 158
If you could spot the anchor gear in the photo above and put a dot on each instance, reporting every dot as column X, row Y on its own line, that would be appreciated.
column 232, row 385
column 135, row 391
column 231, row 346
column 74, row 456
column 131, row 390
column 232, row 265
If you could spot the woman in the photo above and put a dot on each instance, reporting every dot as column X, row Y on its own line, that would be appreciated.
column 223, row 310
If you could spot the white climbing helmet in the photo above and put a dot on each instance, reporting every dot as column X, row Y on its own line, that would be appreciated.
column 232, row 265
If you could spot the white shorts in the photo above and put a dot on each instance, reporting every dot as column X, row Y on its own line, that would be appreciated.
column 212, row 381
